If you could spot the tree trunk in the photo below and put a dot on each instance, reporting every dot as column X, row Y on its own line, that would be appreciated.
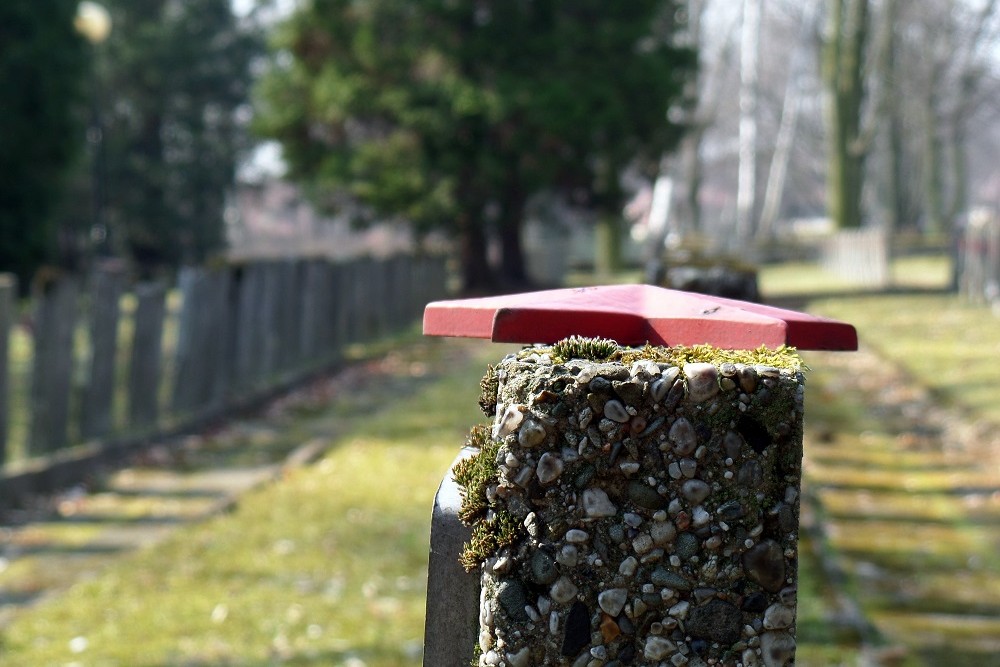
column 783, row 144
column 933, row 167
column 843, row 61
column 608, row 245
column 477, row 277
column 746, row 189
column 693, row 171
column 512, row 267
column 893, row 199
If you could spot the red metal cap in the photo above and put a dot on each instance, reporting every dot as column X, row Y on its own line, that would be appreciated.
column 634, row 315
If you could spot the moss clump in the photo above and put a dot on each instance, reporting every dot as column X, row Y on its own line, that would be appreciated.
column 579, row 347
column 602, row 349
column 488, row 388
column 488, row 536
column 490, row 531
column 476, row 473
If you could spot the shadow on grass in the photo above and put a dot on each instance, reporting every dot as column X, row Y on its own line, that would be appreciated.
column 794, row 301
column 347, row 658
column 953, row 656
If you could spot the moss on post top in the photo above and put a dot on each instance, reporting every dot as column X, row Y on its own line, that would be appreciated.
column 602, row 349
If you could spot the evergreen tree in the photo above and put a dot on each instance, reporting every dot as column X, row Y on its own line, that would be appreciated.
column 452, row 113
column 43, row 65
column 175, row 78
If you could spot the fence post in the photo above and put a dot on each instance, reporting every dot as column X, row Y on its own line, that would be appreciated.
column 52, row 364
column 105, row 296
column 200, row 334
column 629, row 505
column 8, row 313
column 145, row 363
column 250, row 335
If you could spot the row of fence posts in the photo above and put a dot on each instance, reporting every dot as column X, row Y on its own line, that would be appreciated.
column 107, row 364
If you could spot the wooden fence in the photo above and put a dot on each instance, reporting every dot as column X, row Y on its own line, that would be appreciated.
column 94, row 365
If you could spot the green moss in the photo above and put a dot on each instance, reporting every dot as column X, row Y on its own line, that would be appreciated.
column 488, row 388
column 476, row 473
column 601, row 349
column 488, row 536
column 579, row 347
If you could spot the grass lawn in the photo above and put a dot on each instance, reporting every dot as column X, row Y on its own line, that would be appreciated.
column 911, row 507
column 326, row 566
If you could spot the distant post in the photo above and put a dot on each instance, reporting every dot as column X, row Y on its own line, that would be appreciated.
column 8, row 313
column 105, row 295
column 52, row 364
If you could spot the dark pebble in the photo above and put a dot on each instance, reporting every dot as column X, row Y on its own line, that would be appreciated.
column 715, row 621
column 630, row 392
column 511, row 596
column 687, row 545
column 600, row 385
column 786, row 519
column 753, row 433
column 543, row 568
column 754, row 603
column 583, row 478
column 765, row 563
column 646, row 496
column 577, row 630
column 668, row 579
column 730, row 511
column 751, row 475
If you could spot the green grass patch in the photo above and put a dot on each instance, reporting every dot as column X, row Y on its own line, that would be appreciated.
column 326, row 567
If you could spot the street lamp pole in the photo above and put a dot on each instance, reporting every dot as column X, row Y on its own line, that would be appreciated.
column 94, row 22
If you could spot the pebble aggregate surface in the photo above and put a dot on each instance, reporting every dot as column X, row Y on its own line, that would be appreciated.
column 656, row 509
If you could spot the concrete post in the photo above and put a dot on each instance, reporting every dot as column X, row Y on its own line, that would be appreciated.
column 632, row 505
column 452, row 620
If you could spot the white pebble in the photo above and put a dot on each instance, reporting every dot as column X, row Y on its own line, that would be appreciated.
column 563, row 590
column 643, row 543
column 550, row 467
column 509, row 422
column 657, row 648
column 628, row 566
column 612, row 600
column 597, row 504
column 531, row 434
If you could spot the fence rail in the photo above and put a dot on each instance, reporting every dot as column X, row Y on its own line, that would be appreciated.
column 99, row 364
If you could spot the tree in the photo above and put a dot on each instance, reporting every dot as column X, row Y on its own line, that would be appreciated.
column 43, row 64
column 176, row 79
column 746, row 191
column 452, row 114
column 843, row 73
